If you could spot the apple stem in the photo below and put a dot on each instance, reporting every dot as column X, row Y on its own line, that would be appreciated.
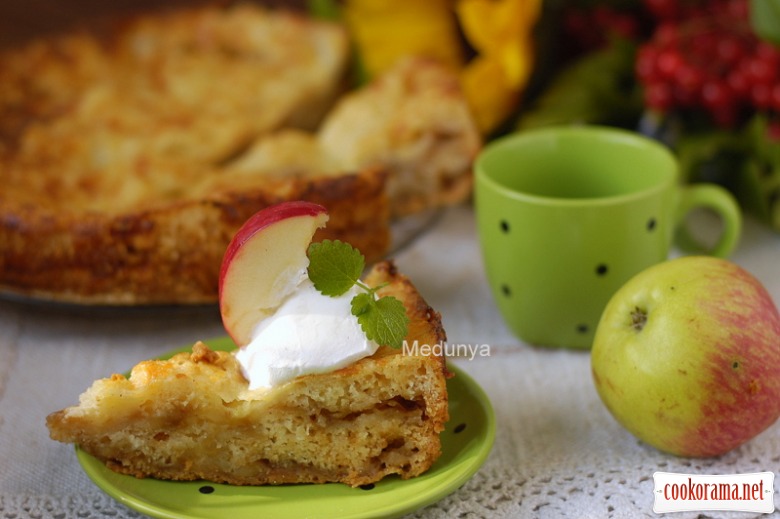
column 638, row 318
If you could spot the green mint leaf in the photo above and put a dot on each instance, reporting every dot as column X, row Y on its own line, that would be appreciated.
column 383, row 320
column 334, row 266
column 362, row 304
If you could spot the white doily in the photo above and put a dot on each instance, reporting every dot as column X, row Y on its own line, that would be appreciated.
column 558, row 452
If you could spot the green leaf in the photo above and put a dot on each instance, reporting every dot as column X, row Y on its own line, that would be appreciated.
column 765, row 19
column 597, row 88
column 334, row 266
column 362, row 303
column 383, row 320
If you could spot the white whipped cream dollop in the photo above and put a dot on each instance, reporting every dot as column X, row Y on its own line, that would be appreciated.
column 309, row 333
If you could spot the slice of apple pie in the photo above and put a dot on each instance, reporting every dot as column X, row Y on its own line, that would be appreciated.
column 324, row 414
column 193, row 417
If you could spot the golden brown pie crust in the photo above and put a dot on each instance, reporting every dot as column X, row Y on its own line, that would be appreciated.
column 169, row 254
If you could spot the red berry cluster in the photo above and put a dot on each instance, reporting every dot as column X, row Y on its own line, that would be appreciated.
column 710, row 62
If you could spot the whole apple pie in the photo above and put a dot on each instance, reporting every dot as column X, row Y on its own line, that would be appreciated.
column 131, row 156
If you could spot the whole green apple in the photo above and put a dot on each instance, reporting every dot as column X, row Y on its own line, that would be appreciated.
column 686, row 356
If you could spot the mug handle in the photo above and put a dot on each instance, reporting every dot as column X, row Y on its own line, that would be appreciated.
column 722, row 203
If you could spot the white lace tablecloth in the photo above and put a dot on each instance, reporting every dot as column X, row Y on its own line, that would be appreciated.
column 558, row 453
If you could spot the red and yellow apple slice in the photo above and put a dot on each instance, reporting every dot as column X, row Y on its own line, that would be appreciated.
column 264, row 263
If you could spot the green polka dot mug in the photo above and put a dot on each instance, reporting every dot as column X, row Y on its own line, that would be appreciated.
column 566, row 215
